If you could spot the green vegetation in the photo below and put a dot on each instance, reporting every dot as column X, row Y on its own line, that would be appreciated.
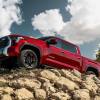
column 98, row 56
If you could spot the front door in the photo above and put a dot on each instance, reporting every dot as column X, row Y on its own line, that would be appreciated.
column 55, row 57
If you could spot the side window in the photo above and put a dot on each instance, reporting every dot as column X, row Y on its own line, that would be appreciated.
column 59, row 44
column 69, row 47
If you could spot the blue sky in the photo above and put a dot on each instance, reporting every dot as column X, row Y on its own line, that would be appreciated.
column 29, row 8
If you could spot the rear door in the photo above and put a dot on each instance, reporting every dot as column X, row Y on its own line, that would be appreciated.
column 71, row 56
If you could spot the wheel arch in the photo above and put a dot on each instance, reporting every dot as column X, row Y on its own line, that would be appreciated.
column 32, row 47
column 90, row 68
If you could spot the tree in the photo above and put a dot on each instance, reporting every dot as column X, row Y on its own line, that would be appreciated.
column 98, row 56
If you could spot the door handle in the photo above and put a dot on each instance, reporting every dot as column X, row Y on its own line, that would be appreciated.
column 78, row 57
column 62, row 52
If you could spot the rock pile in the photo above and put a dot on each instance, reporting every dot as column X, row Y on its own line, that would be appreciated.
column 48, row 84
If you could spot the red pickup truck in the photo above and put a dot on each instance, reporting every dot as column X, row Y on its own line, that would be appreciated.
column 30, row 52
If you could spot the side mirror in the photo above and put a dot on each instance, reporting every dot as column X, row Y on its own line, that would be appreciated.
column 52, row 41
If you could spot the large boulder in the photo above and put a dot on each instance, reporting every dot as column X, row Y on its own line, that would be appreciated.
column 76, row 73
column 74, row 76
column 40, row 94
column 81, row 94
column 6, row 90
column 97, row 97
column 24, row 94
column 31, row 83
column 66, row 84
column 49, row 88
column 26, row 82
column 60, row 96
column 6, row 97
column 55, row 71
column 49, row 75
column 3, row 82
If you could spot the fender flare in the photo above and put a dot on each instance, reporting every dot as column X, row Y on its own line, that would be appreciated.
column 34, row 46
column 93, row 68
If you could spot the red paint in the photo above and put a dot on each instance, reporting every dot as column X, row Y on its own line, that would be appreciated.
column 54, row 56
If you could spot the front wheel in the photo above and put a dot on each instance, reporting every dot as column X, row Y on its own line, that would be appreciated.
column 28, row 59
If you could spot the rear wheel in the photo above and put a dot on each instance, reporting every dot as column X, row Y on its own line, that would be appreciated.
column 28, row 59
column 90, row 73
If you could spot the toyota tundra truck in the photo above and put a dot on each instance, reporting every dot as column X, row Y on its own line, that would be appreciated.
column 29, row 52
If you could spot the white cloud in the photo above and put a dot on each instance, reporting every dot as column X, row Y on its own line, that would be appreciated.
column 9, row 13
column 84, row 25
column 48, row 22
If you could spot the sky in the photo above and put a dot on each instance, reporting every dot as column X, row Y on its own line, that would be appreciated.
column 77, row 21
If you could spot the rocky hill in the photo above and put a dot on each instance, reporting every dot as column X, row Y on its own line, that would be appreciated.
column 48, row 84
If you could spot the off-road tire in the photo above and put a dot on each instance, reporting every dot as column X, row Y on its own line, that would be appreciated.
column 28, row 59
